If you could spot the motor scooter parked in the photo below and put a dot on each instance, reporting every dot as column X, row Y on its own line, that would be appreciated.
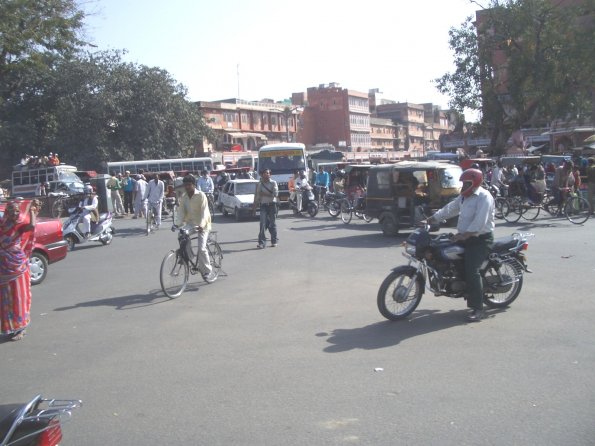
column 102, row 231
column 36, row 423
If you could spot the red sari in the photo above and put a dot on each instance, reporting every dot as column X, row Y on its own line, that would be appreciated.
column 16, row 244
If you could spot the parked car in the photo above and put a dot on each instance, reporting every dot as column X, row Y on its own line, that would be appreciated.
column 402, row 194
column 49, row 246
column 237, row 198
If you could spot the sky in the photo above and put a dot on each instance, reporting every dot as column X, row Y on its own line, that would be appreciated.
column 256, row 49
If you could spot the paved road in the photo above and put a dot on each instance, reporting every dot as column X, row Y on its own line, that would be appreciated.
column 283, row 349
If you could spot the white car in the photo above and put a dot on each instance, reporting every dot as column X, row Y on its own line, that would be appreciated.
column 237, row 198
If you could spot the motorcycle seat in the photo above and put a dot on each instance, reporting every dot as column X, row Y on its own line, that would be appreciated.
column 504, row 243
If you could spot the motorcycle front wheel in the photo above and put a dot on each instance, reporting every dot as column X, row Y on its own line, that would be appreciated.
column 312, row 209
column 394, row 300
column 502, row 284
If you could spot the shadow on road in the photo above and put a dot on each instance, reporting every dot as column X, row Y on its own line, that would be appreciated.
column 386, row 333
column 129, row 302
column 360, row 241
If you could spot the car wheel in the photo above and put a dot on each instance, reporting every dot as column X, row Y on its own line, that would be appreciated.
column 224, row 212
column 38, row 265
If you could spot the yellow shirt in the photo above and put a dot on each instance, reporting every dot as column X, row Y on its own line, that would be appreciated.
column 194, row 211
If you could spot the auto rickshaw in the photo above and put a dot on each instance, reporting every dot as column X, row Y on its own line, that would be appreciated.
column 402, row 194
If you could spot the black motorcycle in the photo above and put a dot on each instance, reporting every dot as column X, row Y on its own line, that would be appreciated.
column 308, row 203
column 437, row 264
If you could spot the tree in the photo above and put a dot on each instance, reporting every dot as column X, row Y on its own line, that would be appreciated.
column 524, row 62
column 96, row 108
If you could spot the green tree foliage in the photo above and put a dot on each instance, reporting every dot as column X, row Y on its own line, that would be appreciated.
column 525, row 62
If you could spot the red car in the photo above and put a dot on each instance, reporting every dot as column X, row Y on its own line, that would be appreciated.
column 49, row 246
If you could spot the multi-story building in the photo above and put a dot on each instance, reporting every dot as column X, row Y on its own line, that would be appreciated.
column 411, row 117
column 335, row 115
column 248, row 124
column 386, row 135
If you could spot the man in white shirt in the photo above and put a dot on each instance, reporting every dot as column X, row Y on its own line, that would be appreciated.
column 154, row 197
column 194, row 212
column 301, row 184
column 205, row 183
column 497, row 179
column 89, row 206
column 475, row 208
column 139, row 193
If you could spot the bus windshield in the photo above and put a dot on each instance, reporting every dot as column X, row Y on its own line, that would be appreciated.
column 281, row 163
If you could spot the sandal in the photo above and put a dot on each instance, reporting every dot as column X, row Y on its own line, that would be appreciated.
column 18, row 335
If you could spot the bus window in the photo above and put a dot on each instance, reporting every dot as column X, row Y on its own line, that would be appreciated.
column 176, row 167
column 16, row 180
column 154, row 168
column 187, row 166
column 141, row 166
column 164, row 167
column 199, row 166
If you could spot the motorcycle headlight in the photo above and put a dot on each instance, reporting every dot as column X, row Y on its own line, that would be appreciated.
column 410, row 249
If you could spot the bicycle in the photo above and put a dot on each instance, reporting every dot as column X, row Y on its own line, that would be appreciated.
column 151, row 219
column 356, row 206
column 575, row 208
column 178, row 264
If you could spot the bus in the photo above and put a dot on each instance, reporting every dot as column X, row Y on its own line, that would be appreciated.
column 27, row 182
column 177, row 165
column 283, row 160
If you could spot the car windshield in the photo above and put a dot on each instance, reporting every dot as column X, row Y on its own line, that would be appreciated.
column 245, row 188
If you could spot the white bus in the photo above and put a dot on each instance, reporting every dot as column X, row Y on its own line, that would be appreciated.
column 28, row 182
column 282, row 160
column 177, row 165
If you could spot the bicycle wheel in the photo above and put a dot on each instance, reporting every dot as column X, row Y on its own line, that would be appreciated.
column 346, row 213
column 530, row 212
column 216, row 256
column 512, row 210
column 367, row 218
column 149, row 219
column 577, row 210
column 58, row 208
column 173, row 275
column 498, row 203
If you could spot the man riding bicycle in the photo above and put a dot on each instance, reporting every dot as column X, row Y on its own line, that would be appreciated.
column 193, row 212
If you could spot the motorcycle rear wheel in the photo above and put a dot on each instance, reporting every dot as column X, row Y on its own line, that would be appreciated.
column 394, row 303
column 497, row 294
column 173, row 275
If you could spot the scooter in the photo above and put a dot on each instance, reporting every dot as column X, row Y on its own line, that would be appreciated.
column 308, row 202
column 102, row 231
column 36, row 423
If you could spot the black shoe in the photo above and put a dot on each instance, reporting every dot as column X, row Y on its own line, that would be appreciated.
column 475, row 316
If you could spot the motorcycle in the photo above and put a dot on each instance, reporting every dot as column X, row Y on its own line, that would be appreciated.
column 36, row 423
column 308, row 202
column 101, row 231
column 437, row 264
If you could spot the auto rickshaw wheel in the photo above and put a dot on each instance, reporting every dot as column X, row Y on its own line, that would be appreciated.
column 389, row 225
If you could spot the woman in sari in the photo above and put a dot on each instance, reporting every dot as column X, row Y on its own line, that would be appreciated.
column 16, row 244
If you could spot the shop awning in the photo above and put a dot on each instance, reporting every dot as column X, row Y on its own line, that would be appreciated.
column 243, row 135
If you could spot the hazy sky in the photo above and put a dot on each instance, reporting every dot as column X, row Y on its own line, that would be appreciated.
column 284, row 47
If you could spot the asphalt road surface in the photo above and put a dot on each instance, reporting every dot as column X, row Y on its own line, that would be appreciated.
column 288, row 346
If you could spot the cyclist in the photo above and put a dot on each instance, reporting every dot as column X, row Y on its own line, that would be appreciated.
column 322, row 180
column 194, row 212
column 205, row 185
column 154, row 197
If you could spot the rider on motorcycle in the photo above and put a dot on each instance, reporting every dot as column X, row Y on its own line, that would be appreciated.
column 301, row 185
column 475, row 227
column 89, row 209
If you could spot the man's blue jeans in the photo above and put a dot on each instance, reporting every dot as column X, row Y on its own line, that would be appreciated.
column 268, row 215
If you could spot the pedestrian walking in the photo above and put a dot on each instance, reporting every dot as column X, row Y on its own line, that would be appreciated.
column 114, row 184
column 267, row 193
